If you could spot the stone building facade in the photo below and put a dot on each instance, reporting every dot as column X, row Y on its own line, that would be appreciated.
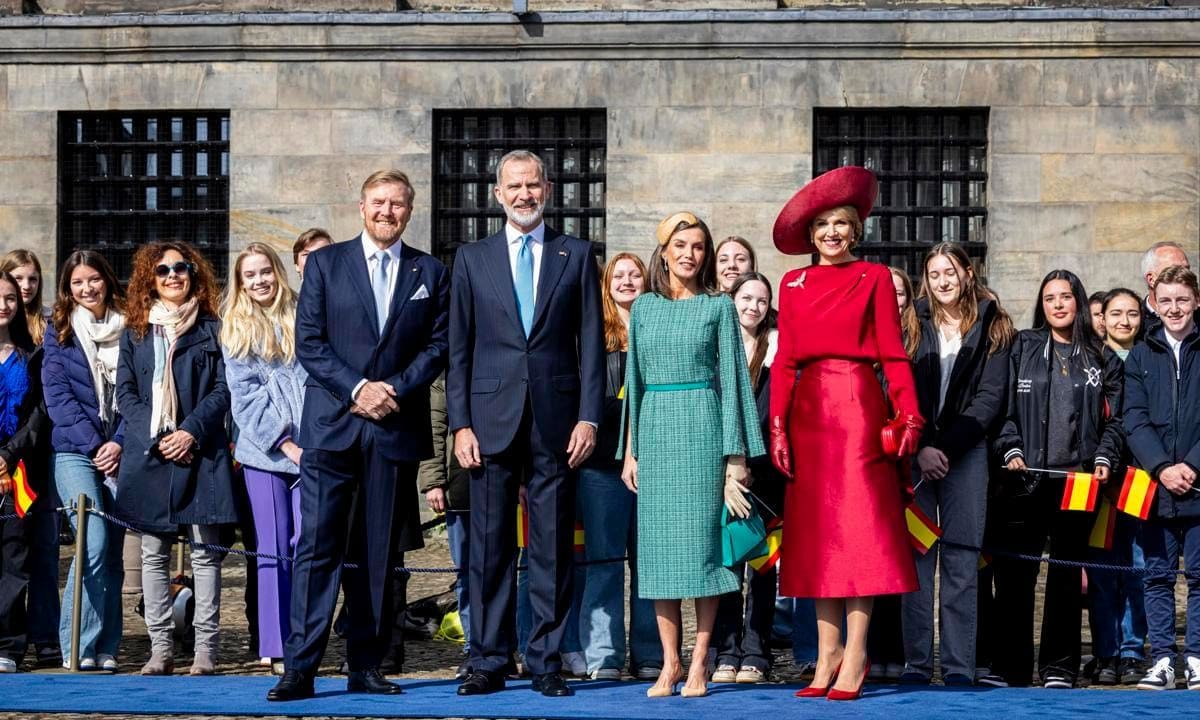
column 1092, row 114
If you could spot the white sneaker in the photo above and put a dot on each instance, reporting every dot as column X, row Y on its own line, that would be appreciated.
column 574, row 663
column 1160, row 676
column 8, row 665
column 1191, row 672
column 85, row 663
column 107, row 662
column 607, row 674
column 725, row 674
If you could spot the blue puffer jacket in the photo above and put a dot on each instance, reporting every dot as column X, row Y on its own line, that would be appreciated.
column 71, row 399
column 1162, row 412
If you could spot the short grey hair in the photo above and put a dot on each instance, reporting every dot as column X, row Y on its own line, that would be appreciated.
column 1150, row 258
column 520, row 156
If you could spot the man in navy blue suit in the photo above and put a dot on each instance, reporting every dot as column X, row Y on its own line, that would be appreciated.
column 371, row 330
column 524, row 393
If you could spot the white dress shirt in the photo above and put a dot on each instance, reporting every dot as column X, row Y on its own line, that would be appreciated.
column 369, row 249
column 537, row 243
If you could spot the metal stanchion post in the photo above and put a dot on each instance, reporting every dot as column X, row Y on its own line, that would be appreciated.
column 81, row 518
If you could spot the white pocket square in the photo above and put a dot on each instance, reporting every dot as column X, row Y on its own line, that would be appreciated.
column 421, row 293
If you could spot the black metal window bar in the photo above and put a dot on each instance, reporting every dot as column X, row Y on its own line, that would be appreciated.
column 128, row 178
column 467, row 146
column 932, row 170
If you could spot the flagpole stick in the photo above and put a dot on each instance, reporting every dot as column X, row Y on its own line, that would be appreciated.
column 81, row 518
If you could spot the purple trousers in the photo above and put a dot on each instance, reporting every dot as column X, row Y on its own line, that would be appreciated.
column 276, row 510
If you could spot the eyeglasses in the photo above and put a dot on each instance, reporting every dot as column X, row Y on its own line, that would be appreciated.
column 179, row 268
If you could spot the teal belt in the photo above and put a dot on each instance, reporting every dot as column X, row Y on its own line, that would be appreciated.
column 673, row 387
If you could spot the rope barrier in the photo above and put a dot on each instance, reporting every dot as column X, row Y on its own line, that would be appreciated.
column 1086, row 565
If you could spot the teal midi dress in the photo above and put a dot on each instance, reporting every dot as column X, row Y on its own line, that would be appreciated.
column 690, row 404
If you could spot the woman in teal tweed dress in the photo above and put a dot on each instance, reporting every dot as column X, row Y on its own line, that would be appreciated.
column 692, row 422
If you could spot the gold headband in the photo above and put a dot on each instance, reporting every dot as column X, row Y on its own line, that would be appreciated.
column 666, row 228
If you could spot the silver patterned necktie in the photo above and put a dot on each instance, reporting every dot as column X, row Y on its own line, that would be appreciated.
column 379, row 284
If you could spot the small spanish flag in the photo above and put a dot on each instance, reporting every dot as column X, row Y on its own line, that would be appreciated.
column 1137, row 493
column 774, row 542
column 522, row 526
column 578, row 538
column 923, row 533
column 985, row 559
column 23, row 494
column 1102, row 529
column 1080, row 492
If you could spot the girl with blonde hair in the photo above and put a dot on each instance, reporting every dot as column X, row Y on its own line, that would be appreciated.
column 266, row 385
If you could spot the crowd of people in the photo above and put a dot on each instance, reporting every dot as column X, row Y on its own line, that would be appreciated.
column 651, row 404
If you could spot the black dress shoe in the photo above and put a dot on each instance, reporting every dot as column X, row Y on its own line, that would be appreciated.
column 463, row 671
column 294, row 685
column 551, row 685
column 371, row 681
column 481, row 683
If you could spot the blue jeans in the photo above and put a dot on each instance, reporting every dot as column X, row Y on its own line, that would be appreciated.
column 1164, row 540
column 458, row 533
column 608, row 511
column 798, row 617
column 100, row 626
column 1116, row 606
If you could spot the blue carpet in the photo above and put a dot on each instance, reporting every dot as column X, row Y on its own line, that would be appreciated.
column 244, row 695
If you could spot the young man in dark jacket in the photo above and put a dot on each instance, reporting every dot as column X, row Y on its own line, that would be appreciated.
column 1162, row 401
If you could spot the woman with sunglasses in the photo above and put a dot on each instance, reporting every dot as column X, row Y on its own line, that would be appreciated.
column 175, row 472
column 79, row 377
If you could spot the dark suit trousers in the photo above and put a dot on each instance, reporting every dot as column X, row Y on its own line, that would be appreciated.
column 14, row 582
column 334, row 487
column 550, row 499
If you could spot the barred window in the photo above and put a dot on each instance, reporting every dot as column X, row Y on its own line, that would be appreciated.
column 932, row 170
column 467, row 146
column 128, row 178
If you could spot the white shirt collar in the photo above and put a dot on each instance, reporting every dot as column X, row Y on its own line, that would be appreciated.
column 514, row 235
column 370, row 248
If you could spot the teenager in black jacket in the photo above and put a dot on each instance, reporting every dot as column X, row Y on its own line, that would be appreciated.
column 961, row 369
column 1064, row 413
column 1162, row 395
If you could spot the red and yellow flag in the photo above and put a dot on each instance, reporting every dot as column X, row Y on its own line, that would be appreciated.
column 23, row 494
column 1080, row 492
column 578, row 537
column 1137, row 493
column 923, row 533
column 985, row 559
column 774, row 542
column 1102, row 529
column 522, row 526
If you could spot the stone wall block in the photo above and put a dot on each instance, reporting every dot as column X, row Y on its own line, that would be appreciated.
column 1129, row 227
column 1151, row 130
column 29, row 134
column 238, row 85
column 1016, row 277
column 666, row 129
column 592, row 84
column 451, row 85
column 29, row 181
column 254, row 181
column 3, row 89
column 1108, row 81
column 1042, row 130
column 142, row 87
column 762, row 130
column 1119, row 178
column 279, row 132
column 631, row 226
column 335, row 178
column 1001, row 82
column 1015, row 178
column 36, row 227
column 703, row 83
column 1017, row 227
column 1175, row 81
column 329, row 85
column 387, row 132
column 802, row 83
column 47, row 87
column 892, row 83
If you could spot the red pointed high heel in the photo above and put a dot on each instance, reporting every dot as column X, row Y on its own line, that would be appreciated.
column 854, row 694
column 813, row 692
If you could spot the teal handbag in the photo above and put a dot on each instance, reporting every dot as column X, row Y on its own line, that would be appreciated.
column 741, row 538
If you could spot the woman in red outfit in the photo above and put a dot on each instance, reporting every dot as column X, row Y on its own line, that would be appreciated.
column 843, row 510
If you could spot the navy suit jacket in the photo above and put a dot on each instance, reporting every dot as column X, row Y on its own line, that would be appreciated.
column 338, row 342
column 494, row 367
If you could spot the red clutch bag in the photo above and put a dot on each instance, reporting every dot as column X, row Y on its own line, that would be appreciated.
column 900, row 435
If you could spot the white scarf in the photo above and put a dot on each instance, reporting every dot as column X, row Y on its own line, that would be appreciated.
column 169, row 325
column 100, row 342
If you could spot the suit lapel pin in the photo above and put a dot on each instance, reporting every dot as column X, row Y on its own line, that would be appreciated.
column 414, row 268
column 562, row 252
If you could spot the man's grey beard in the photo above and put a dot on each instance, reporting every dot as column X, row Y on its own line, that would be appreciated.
column 522, row 217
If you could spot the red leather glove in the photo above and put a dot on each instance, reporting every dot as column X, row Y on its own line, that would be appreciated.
column 781, row 450
column 900, row 436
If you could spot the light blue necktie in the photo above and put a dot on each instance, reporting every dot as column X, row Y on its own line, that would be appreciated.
column 524, row 283
column 379, row 283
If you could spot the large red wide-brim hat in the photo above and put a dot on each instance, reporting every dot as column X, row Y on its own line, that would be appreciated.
column 851, row 185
